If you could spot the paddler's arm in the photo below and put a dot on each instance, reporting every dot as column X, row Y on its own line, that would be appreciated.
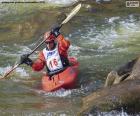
column 63, row 44
column 36, row 65
column 39, row 64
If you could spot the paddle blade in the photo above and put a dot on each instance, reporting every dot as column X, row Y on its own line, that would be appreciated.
column 72, row 13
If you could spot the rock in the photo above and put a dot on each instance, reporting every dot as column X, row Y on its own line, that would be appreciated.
column 128, row 71
column 126, row 95
column 122, row 89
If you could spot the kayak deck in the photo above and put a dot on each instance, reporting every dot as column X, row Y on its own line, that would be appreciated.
column 65, row 79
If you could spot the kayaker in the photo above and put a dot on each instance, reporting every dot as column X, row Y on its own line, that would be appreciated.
column 54, row 56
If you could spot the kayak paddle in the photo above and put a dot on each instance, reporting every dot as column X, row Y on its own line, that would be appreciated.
column 71, row 14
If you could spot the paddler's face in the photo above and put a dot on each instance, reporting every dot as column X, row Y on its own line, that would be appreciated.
column 50, row 45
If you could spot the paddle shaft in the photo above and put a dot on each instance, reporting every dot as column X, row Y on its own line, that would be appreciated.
column 36, row 47
column 72, row 13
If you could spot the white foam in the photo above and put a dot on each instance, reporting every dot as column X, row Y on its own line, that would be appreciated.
column 115, row 29
column 19, row 71
column 112, row 19
column 4, row 69
column 23, row 49
column 62, row 2
column 114, row 113
column 22, row 72
column 129, row 28
column 61, row 92
column 74, row 50
column 16, row 51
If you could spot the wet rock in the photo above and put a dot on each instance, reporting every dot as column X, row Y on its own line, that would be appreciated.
column 125, row 94
column 122, row 89
column 126, row 72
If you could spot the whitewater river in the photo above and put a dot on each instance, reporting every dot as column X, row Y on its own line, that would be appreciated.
column 99, row 43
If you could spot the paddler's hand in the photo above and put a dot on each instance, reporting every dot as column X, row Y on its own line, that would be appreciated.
column 24, row 59
column 55, row 31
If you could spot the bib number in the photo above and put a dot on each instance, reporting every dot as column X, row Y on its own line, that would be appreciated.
column 53, row 63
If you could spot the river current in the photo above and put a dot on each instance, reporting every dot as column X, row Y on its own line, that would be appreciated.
column 100, row 44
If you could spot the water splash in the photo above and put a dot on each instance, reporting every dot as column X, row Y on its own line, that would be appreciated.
column 104, row 37
column 19, row 71
column 22, row 72
column 62, row 2
column 114, row 113
column 62, row 93
column 4, row 69
column 74, row 50
column 59, row 93
column 15, row 50
column 113, row 19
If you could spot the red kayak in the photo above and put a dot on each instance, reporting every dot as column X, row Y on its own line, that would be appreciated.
column 65, row 79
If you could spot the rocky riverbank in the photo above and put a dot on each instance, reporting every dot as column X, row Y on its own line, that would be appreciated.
column 122, row 90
